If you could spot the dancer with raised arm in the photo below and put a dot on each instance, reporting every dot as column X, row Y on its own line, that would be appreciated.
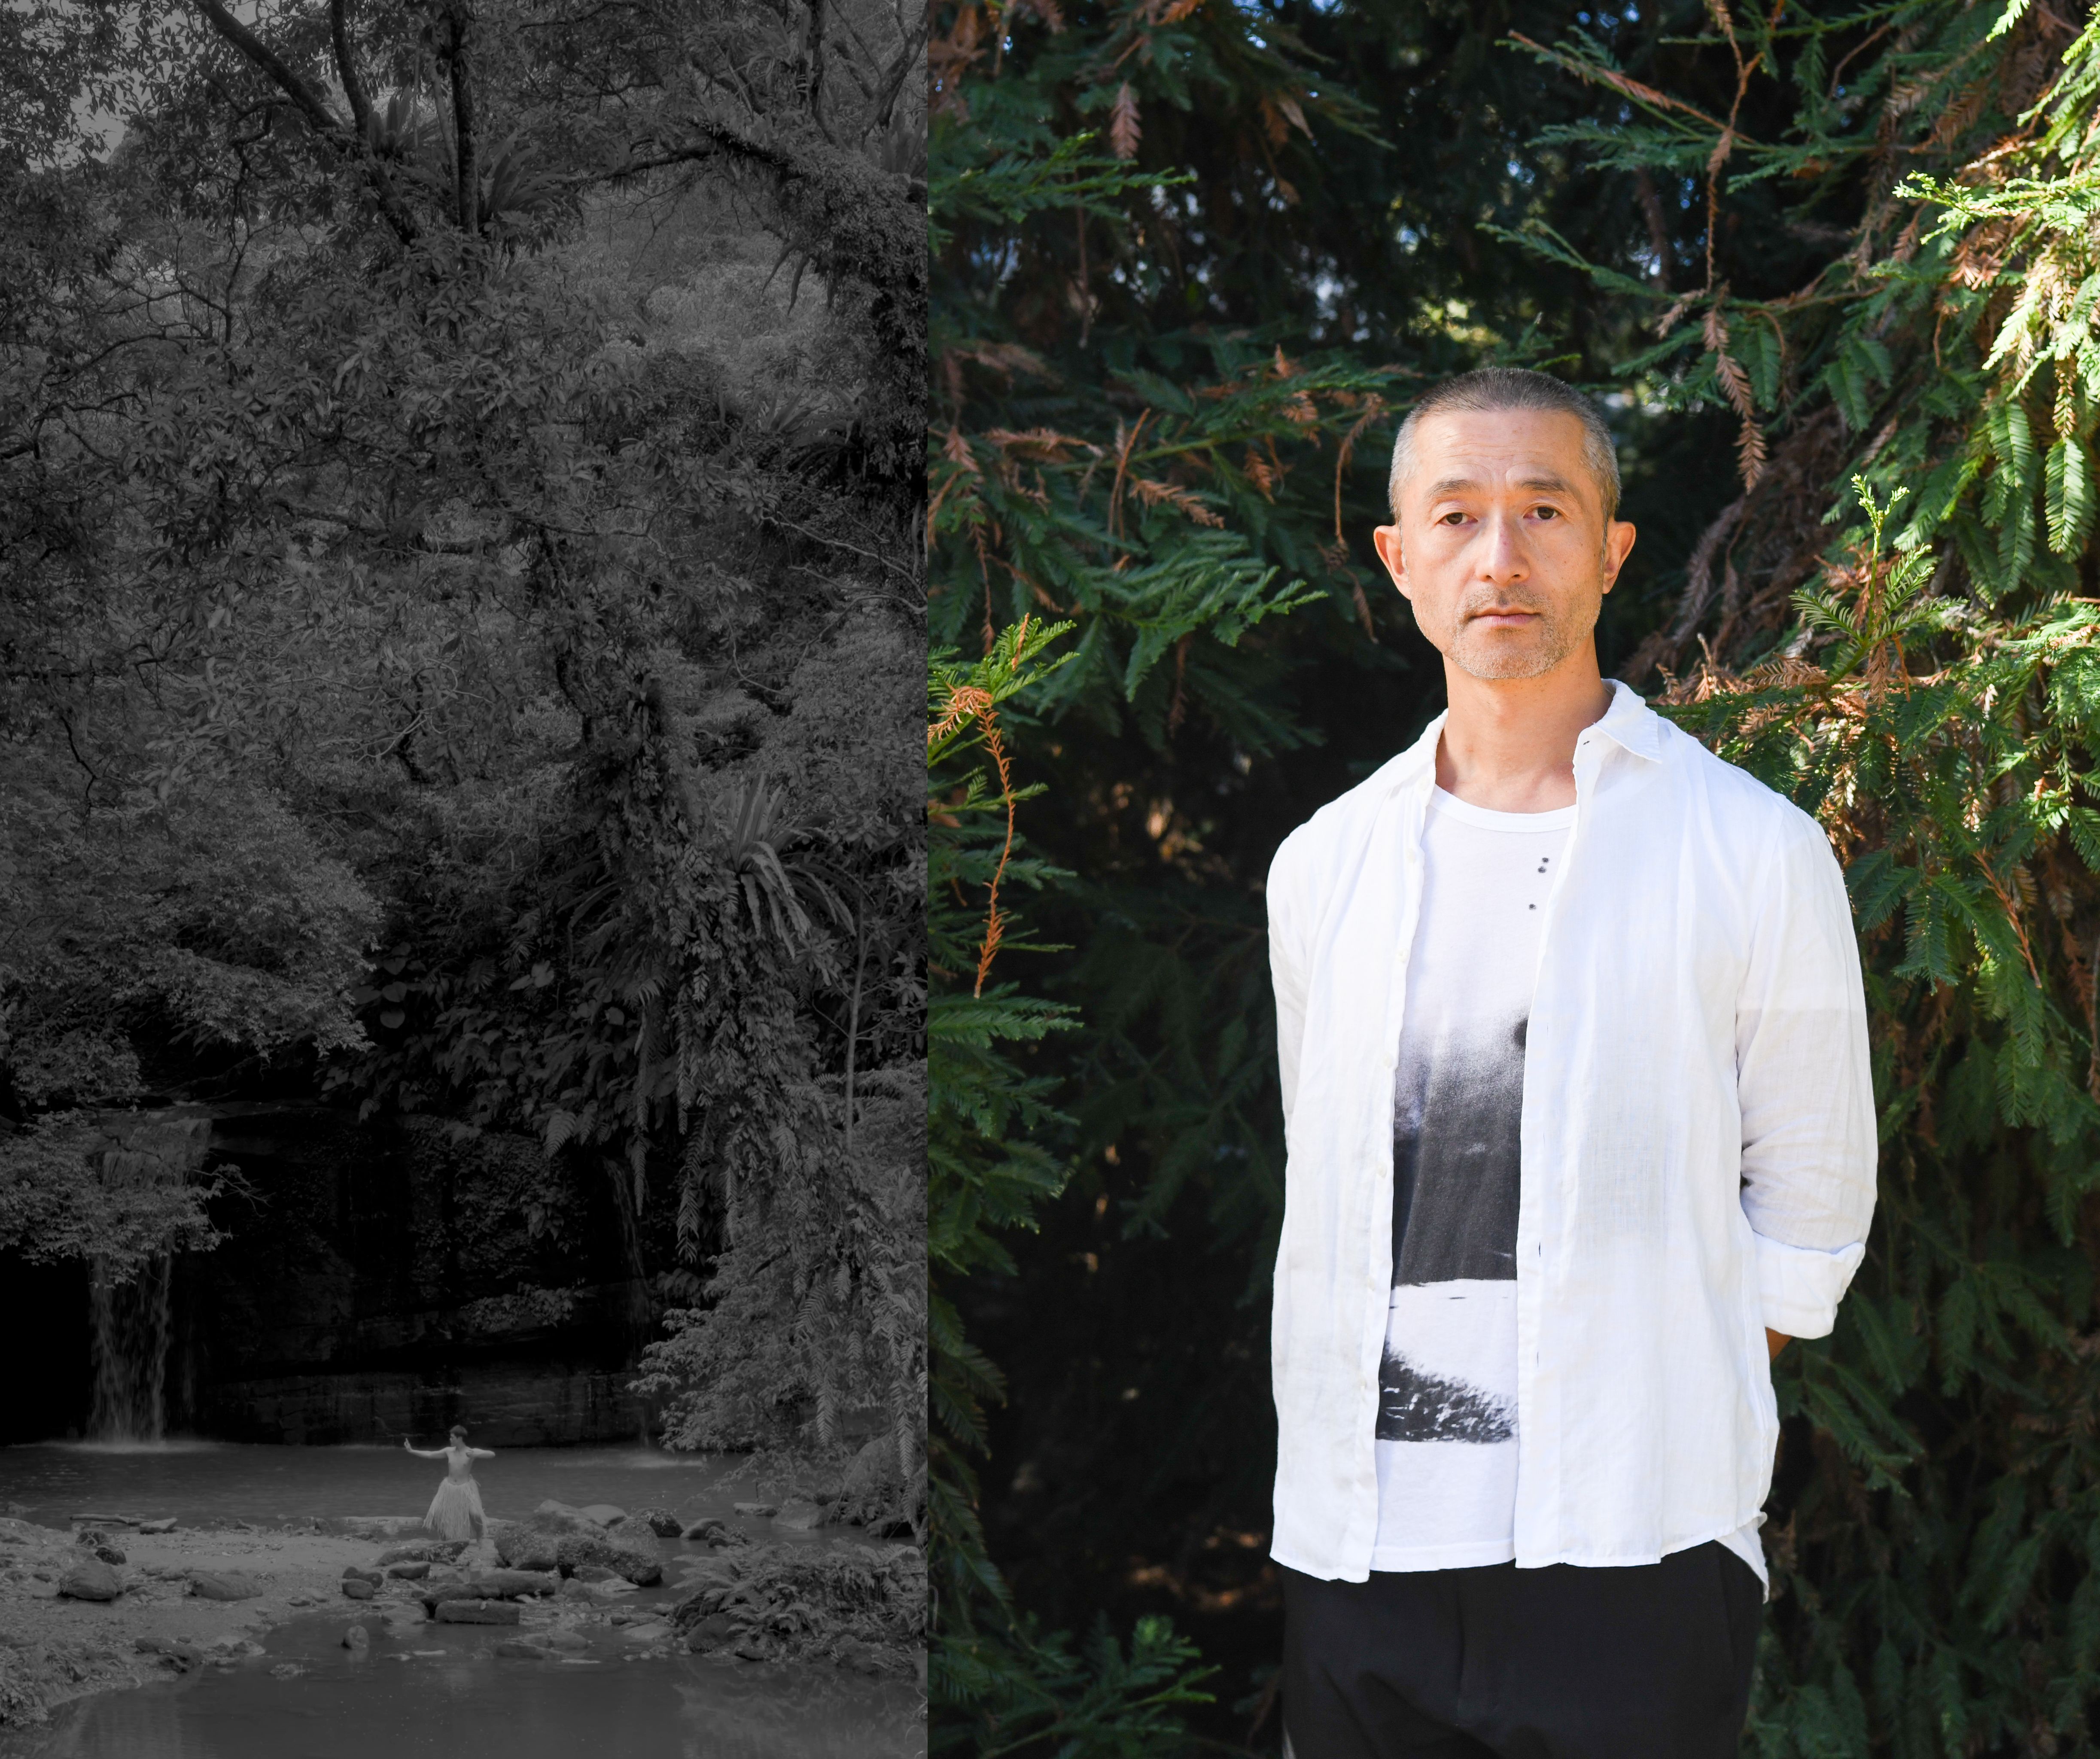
column 455, row 1512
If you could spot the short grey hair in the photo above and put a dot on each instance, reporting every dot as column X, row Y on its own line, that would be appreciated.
column 1512, row 388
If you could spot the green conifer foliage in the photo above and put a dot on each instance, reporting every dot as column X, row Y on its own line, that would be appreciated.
column 1836, row 262
column 1921, row 684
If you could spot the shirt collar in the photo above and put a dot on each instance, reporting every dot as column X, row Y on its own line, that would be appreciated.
column 1628, row 723
column 1631, row 724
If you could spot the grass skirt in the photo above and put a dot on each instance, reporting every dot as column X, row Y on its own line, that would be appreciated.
column 455, row 1509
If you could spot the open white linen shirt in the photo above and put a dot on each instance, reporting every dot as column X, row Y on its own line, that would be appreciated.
column 1697, row 1146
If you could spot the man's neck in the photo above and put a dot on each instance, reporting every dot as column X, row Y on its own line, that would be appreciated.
column 1509, row 743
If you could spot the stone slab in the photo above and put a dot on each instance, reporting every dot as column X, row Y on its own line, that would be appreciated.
column 225, row 1585
column 478, row 1612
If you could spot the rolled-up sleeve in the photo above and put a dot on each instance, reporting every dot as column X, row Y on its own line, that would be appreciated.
column 1805, row 1084
column 1286, row 966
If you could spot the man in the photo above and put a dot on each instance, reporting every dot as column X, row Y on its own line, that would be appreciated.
column 1580, row 1130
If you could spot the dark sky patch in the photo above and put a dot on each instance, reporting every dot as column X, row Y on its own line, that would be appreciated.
column 1458, row 1115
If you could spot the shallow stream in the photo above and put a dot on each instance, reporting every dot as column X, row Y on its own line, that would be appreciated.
column 440, row 1689
column 204, row 1482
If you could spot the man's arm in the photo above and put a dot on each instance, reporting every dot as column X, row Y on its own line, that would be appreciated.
column 1776, row 1341
column 1806, row 1091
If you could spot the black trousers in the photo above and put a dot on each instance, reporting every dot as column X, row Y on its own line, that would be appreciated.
column 1647, row 1662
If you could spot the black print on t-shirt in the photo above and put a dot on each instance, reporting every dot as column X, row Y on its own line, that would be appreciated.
column 1457, row 1119
column 1414, row 1406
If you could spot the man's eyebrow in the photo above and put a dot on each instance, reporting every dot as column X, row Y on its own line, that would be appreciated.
column 1451, row 485
column 1459, row 485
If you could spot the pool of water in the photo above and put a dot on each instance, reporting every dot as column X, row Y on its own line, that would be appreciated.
column 200, row 1482
column 438, row 1690
column 430, row 1688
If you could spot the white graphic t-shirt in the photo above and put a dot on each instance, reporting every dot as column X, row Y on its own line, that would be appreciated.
column 1447, row 1386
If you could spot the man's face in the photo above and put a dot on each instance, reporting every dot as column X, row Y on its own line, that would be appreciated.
column 1502, row 548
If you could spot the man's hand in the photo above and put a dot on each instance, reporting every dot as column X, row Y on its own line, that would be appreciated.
column 1776, row 1341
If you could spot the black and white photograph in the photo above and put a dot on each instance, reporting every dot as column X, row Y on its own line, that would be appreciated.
column 462, row 877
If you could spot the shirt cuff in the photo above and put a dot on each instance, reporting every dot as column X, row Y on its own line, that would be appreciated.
column 1799, row 1287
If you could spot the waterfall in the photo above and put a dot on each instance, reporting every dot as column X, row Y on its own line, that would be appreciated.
column 129, row 1316
column 130, row 1334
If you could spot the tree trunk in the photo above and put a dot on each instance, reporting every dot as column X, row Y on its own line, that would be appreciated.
column 468, row 185
column 852, row 1020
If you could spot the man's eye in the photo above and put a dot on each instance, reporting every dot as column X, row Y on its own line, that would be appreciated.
column 1548, row 513
column 1451, row 518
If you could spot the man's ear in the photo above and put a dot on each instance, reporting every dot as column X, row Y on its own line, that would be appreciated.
column 1386, row 540
column 1618, row 545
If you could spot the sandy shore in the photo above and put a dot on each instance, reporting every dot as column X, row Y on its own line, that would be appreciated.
column 54, row 1648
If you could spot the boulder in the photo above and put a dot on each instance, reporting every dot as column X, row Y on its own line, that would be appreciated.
column 552, row 1516
column 477, row 1612
column 873, row 1493
column 711, row 1632
column 229, row 1650
column 798, row 1515
column 522, row 1547
column 759, row 1510
column 356, row 1588
column 223, row 1584
column 604, row 1514
column 183, row 1656
column 90, row 1579
column 416, row 1551
column 641, row 1567
column 568, row 1642
column 358, row 1573
column 660, row 1522
column 509, row 1584
column 871, row 1474
column 863, row 1658
column 357, row 1637
column 413, row 1571
column 715, row 1532
column 165, row 1524
column 109, row 1555
column 522, row 1649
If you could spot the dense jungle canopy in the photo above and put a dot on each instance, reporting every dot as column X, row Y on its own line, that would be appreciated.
column 460, row 608
column 1831, row 268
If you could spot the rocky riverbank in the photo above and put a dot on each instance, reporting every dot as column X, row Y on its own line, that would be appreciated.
column 114, row 1601
column 126, row 1606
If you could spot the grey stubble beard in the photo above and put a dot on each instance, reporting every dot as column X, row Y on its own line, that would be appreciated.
column 1552, row 641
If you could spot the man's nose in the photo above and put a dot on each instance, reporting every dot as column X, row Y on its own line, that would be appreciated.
column 1502, row 556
